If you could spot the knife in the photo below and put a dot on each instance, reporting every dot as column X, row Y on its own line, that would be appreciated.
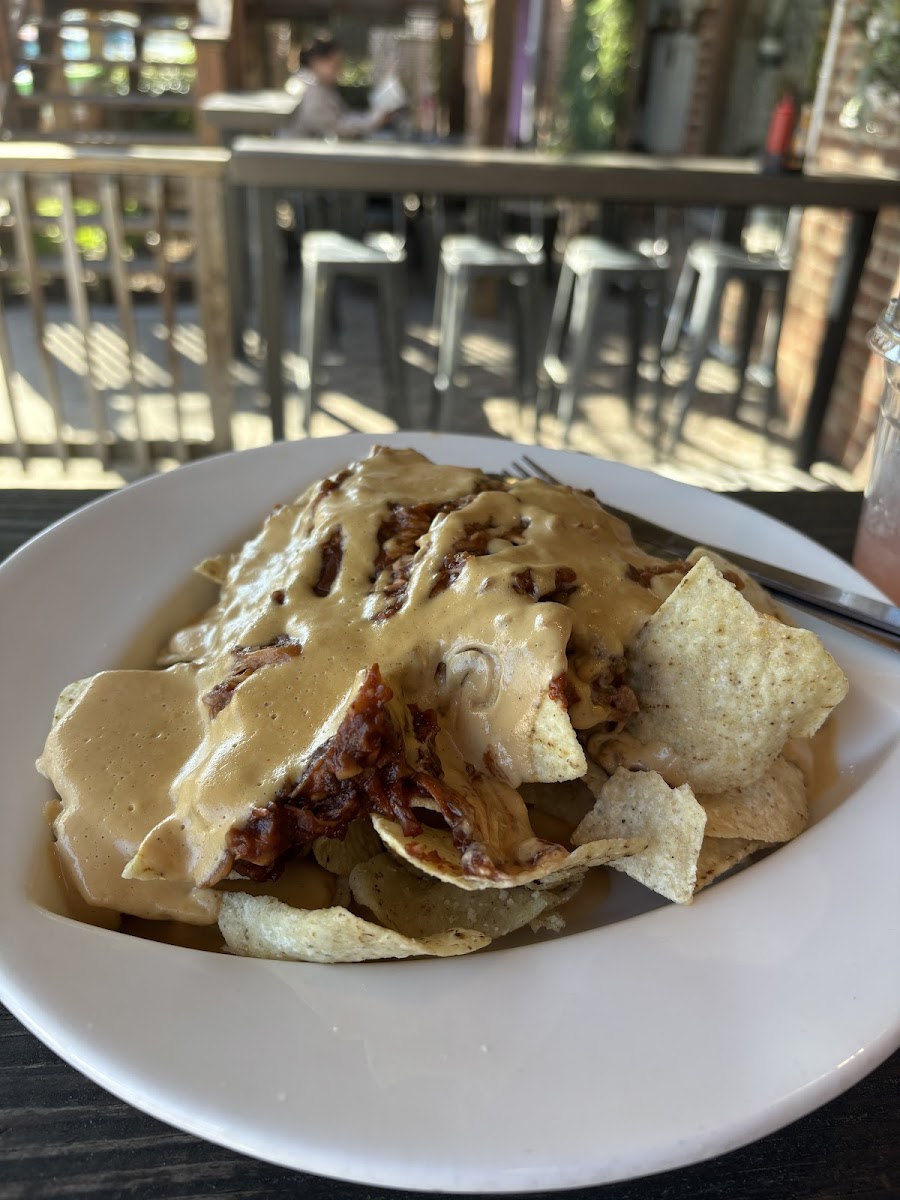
column 863, row 613
column 874, row 615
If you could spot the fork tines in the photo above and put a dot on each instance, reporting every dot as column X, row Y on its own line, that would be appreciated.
column 527, row 468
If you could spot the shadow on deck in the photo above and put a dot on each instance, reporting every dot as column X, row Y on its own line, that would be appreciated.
column 716, row 452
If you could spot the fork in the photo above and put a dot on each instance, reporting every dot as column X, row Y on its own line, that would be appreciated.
column 862, row 614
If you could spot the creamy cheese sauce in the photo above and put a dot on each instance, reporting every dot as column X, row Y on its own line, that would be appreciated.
column 112, row 758
column 153, row 781
column 142, row 765
column 622, row 749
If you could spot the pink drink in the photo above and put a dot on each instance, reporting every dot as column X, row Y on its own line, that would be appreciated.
column 878, row 559
column 877, row 551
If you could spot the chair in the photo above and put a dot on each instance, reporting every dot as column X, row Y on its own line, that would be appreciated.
column 463, row 259
column 708, row 267
column 381, row 259
column 588, row 264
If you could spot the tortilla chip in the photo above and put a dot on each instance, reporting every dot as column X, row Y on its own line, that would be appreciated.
column 433, row 852
column 262, row 927
column 548, row 922
column 215, row 567
column 725, row 687
column 773, row 808
column 360, row 843
column 162, row 854
column 69, row 697
column 754, row 593
column 556, row 752
column 641, row 804
column 718, row 856
column 419, row 907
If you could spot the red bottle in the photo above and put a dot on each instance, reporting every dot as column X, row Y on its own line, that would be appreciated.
column 781, row 133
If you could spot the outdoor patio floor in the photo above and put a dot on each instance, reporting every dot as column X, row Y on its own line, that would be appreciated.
column 716, row 452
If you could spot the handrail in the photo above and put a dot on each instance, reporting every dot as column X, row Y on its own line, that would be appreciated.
column 487, row 171
column 268, row 168
column 52, row 158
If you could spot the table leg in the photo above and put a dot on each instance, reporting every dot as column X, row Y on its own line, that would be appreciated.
column 271, row 305
column 840, row 307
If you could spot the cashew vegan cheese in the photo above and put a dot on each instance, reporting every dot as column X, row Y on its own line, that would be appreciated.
column 450, row 695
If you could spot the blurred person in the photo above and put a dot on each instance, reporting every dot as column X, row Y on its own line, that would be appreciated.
column 322, row 112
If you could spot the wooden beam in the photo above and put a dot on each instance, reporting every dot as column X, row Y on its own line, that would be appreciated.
column 505, row 173
column 729, row 20
column 639, row 45
column 453, row 65
column 8, row 116
column 215, row 59
column 212, row 290
column 498, row 52
column 249, row 68
column 54, row 158
column 212, row 76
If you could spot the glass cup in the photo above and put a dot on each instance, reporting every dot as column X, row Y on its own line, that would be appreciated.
column 877, row 550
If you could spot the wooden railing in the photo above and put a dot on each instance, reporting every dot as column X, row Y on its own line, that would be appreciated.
column 141, row 231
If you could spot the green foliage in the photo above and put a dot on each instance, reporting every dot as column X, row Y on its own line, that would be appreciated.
column 879, row 23
column 356, row 72
column 90, row 239
column 875, row 107
column 595, row 73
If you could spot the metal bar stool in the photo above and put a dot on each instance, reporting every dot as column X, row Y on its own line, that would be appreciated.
column 381, row 259
column 588, row 263
column 465, row 258
column 708, row 267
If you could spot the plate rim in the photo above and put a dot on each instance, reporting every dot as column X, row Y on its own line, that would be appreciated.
column 792, row 1106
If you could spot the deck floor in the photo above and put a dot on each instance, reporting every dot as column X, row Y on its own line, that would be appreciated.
column 716, row 452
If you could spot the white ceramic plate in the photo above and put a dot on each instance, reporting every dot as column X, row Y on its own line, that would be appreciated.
column 640, row 1045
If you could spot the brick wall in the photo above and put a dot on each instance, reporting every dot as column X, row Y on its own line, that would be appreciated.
column 854, row 402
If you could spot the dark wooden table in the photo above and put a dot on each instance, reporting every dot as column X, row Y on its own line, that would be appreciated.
column 61, row 1135
column 268, row 169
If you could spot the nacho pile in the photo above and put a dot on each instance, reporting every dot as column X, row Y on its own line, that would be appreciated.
column 426, row 703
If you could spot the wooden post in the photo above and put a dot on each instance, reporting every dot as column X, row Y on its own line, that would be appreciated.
column 211, row 282
column 729, row 19
column 212, row 76
column 499, row 50
column 216, row 55
column 111, row 202
column 159, row 190
column 12, row 384
column 79, row 302
column 494, row 73
column 51, row 78
column 639, row 43
column 21, row 210
column 8, row 106
column 248, row 65
column 453, row 65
